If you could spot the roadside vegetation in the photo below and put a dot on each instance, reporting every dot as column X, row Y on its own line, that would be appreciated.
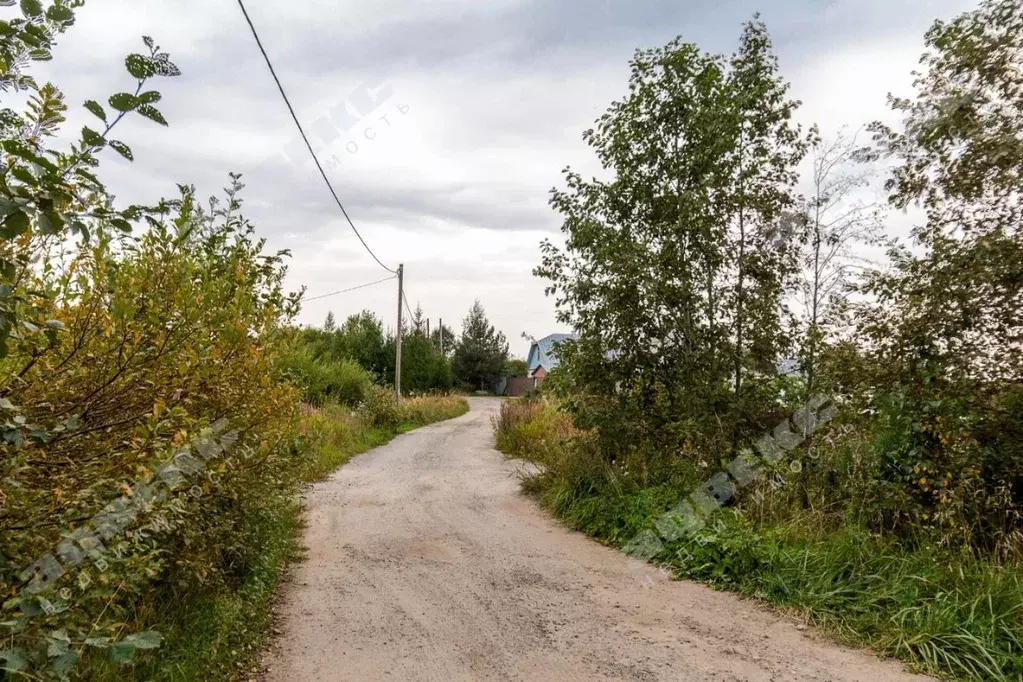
column 770, row 393
column 159, row 409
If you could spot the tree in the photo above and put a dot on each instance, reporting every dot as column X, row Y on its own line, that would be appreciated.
column 417, row 323
column 838, row 224
column 330, row 324
column 481, row 351
column 449, row 339
column 672, row 273
column 945, row 323
column 515, row 367
column 767, row 150
column 361, row 338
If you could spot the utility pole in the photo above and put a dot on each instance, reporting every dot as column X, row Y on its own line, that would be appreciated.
column 397, row 345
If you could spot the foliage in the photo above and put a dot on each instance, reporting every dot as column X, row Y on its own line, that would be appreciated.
column 533, row 430
column 423, row 368
column 944, row 324
column 515, row 367
column 949, row 613
column 115, row 353
column 673, row 271
column 381, row 409
column 900, row 523
column 443, row 333
column 360, row 339
column 161, row 334
column 47, row 195
column 480, row 353
column 323, row 381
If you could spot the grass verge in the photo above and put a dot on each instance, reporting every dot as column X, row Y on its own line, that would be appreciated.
column 216, row 634
column 955, row 616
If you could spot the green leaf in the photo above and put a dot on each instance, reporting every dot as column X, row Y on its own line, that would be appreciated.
column 148, row 41
column 57, row 646
column 63, row 664
column 150, row 97
column 163, row 66
column 91, row 138
column 97, row 109
column 7, row 207
column 122, row 149
column 139, row 66
column 13, row 659
column 123, row 101
column 150, row 639
column 50, row 222
column 24, row 175
column 32, row 8
column 60, row 13
column 121, row 224
column 120, row 653
column 15, row 224
column 152, row 113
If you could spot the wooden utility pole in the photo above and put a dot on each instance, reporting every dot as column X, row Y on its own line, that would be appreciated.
column 397, row 345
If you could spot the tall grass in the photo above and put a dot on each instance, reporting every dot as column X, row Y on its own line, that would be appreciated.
column 215, row 634
column 949, row 613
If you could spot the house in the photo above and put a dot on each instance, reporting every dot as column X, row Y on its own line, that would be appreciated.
column 542, row 355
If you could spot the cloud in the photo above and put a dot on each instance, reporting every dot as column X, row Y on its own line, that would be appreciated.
column 486, row 106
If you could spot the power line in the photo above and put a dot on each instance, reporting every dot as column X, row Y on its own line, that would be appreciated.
column 407, row 306
column 306, row 139
column 345, row 291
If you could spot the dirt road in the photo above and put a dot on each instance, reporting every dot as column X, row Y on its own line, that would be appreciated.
column 425, row 562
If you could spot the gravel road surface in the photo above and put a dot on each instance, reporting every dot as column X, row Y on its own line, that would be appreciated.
column 426, row 562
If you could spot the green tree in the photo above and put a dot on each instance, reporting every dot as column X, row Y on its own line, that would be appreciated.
column 945, row 323
column 515, row 367
column 330, row 324
column 673, row 274
column 481, row 351
column 767, row 148
column 449, row 339
column 417, row 322
column 361, row 338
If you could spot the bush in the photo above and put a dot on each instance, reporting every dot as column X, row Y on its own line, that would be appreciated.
column 381, row 409
column 323, row 380
column 533, row 429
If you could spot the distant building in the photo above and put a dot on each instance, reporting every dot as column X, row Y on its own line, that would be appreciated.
column 543, row 356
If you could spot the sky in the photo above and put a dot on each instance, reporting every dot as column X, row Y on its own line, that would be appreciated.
column 453, row 119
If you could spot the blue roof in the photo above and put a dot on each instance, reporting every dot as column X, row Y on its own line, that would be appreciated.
column 541, row 353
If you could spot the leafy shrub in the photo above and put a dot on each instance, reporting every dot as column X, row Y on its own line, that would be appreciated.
column 381, row 409
column 323, row 380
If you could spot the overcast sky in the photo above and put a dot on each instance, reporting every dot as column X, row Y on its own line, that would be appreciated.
column 462, row 115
